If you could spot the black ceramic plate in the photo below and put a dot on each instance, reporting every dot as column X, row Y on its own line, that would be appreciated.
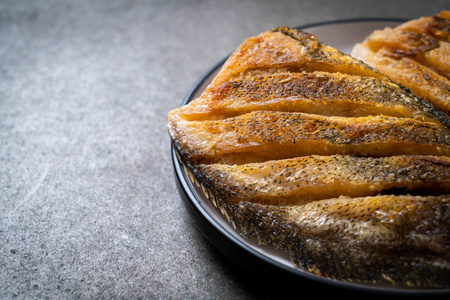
column 247, row 252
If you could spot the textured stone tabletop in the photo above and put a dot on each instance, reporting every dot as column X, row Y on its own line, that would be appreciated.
column 88, row 202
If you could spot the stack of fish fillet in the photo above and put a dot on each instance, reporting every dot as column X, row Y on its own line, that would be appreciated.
column 326, row 158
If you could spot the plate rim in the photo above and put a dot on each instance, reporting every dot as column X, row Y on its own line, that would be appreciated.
column 217, row 232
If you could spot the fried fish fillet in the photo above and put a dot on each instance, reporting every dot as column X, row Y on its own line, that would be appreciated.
column 324, row 93
column 415, row 54
column 306, row 179
column 286, row 49
column 400, row 238
column 269, row 135
column 320, row 155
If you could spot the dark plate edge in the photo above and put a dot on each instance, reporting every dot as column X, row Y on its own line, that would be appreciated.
column 309, row 25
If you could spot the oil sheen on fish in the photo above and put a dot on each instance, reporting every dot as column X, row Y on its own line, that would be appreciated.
column 325, row 157
column 415, row 54
column 403, row 239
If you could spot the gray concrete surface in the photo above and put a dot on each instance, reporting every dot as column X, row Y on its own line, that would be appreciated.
column 88, row 202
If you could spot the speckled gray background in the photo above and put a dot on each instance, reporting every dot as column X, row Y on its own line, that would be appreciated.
column 88, row 202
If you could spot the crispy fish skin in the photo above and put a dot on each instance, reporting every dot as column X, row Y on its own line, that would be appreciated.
column 288, row 49
column 305, row 179
column 269, row 135
column 404, row 238
column 421, row 80
column 415, row 54
column 436, row 26
column 332, row 94
column 423, row 48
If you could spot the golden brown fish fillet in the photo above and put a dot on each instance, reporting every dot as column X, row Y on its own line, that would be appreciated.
column 305, row 179
column 404, row 239
column 292, row 133
column 423, row 48
column 286, row 49
column 269, row 135
column 415, row 54
column 332, row 94
column 435, row 26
